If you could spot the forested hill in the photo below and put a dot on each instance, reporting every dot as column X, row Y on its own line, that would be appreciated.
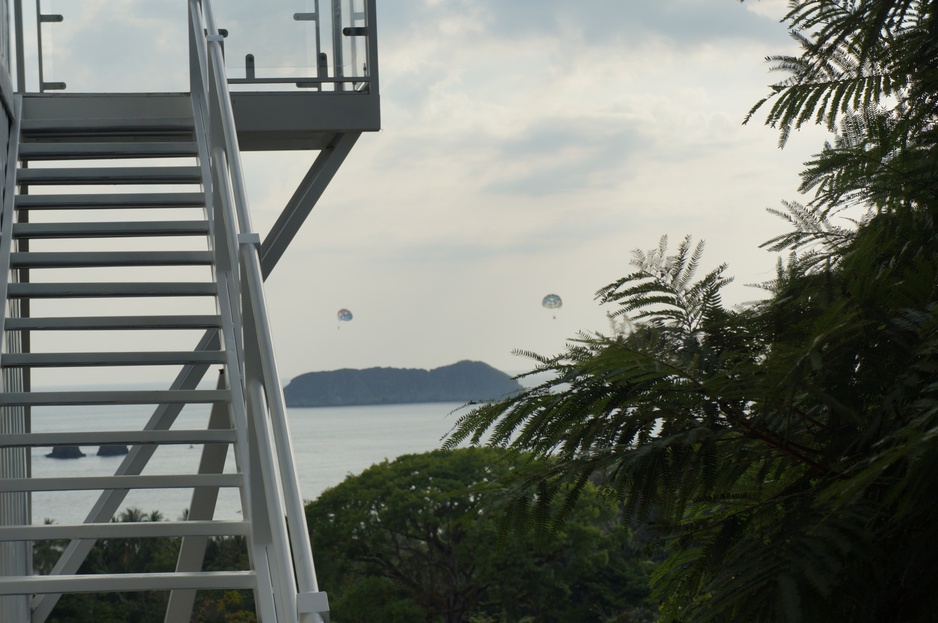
column 460, row 382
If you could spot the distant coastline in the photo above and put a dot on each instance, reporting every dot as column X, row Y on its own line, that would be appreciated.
column 465, row 381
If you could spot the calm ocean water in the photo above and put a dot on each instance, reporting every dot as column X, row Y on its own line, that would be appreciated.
column 328, row 443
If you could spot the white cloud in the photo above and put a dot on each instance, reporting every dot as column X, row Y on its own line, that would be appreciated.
column 527, row 147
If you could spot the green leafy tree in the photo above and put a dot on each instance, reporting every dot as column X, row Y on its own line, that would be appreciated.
column 401, row 542
column 868, row 70
column 784, row 452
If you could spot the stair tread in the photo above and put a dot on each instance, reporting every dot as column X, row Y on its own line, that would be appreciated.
column 90, row 483
column 109, row 229
column 110, row 175
column 126, row 437
column 109, row 290
column 38, row 150
column 114, row 127
column 111, row 201
column 120, row 582
column 112, row 397
column 125, row 529
column 65, row 323
column 57, row 259
column 61, row 360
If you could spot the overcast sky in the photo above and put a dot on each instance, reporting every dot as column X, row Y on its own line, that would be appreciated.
column 528, row 147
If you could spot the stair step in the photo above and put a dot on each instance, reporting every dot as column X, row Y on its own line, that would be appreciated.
column 141, row 397
column 107, row 290
column 92, row 483
column 109, row 201
column 106, row 150
column 107, row 229
column 67, row 360
column 124, row 530
column 125, row 582
column 124, row 438
column 68, row 259
column 109, row 175
column 101, row 323
column 96, row 129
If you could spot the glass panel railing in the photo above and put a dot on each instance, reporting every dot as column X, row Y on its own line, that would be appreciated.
column 351, row 36
column 108, row 47
column 332, row 55
column 142, row 45
column 265, row 39
column 5, row 34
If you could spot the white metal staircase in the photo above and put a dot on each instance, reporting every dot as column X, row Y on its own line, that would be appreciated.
column 126, row 250
column 81, row 211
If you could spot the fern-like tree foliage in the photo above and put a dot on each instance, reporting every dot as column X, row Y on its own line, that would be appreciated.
column 868, row 70
column 784, row 452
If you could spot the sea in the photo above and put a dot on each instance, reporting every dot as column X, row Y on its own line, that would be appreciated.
column 329, row 444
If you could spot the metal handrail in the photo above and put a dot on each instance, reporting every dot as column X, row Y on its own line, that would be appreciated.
column 259, row 365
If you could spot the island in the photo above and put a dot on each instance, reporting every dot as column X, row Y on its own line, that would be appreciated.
column 65, row 452
column 465, row 381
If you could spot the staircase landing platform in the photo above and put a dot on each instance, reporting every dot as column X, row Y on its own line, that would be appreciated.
column 266, row 121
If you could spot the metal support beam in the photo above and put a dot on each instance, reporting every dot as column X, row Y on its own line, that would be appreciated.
column 304, row 199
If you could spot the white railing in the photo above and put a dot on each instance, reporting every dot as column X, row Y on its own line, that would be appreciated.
column 239, row 266
column 348, row 27
column 331, row 49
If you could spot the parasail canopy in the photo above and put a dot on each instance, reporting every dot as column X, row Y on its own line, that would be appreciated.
column 552, row 301
column 344, row 315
